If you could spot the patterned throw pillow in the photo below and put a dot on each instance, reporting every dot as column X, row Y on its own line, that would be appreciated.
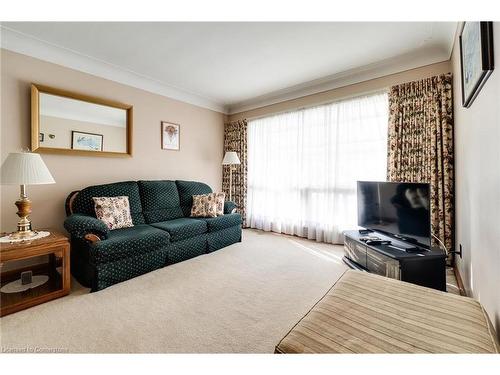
column 219, row 200
column 113, row 211
column 204, row 205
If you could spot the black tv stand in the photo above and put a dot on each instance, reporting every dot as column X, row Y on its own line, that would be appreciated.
column 397, row 259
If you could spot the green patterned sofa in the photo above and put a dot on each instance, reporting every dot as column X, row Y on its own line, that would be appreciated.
column 163, row 233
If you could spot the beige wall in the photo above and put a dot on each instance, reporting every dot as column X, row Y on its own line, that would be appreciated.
column 477, row 182
column 199, row 157
column 347, row 91
column 114, row 138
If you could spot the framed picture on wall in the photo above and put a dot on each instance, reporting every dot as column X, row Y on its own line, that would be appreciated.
column 86, row 141
column 476, row 58
column 170, row 136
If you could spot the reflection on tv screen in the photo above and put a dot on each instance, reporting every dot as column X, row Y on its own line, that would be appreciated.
column 397, row 209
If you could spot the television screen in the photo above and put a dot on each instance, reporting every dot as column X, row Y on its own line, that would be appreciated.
column 401, row 210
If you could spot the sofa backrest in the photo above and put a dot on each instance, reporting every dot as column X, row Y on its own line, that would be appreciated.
column 186, row 191
column 83, row 202
column 160, row 200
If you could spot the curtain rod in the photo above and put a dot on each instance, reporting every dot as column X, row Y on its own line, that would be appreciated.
column 318, row 104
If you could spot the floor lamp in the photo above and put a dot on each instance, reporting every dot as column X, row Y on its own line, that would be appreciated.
column 230, row 158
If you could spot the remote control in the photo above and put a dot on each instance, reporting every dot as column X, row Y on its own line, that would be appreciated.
column 370, row 238
column 365, row 231
column 378, row 242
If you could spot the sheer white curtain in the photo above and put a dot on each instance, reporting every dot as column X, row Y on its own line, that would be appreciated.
column 303, row 166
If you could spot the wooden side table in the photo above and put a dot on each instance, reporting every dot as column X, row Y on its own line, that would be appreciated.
column 56, row 247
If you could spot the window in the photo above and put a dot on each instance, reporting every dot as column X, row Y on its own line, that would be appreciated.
column 303, row 166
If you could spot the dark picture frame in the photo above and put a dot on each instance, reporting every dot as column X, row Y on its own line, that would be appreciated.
column 90, row 136
column 476, row 58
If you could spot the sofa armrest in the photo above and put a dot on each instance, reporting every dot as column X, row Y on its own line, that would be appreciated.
column 85, row 226
column 229, row 207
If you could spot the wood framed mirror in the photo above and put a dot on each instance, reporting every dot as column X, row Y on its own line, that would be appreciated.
column 66, row 122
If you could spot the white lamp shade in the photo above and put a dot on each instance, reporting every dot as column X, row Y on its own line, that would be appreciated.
column 25, row 168
column 230, row 158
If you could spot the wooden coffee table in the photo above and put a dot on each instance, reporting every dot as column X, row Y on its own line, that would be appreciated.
column 55, row 248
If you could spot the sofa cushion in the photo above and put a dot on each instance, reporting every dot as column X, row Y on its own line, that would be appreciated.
column 127, row 242
column 160, row 201
column 222, row 222
column 180, row 229
column 84, row 204
column 186, row 191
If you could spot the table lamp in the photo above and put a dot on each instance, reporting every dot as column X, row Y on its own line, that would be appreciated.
column 230, row 158
column 24, row 168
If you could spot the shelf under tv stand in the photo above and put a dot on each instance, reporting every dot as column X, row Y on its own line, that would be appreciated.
column 426, row 268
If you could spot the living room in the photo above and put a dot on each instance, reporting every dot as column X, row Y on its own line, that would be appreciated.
column 247, row 188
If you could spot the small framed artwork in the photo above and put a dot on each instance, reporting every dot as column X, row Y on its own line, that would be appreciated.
column 170, row 136
column 86, row 141
column 476, row 58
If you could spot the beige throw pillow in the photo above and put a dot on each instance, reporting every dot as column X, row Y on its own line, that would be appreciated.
column 113, row 211
column 204, row 205
column 219, row 200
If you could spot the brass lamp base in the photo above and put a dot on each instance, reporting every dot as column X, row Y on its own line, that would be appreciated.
column 24, row 235
column 24, row 231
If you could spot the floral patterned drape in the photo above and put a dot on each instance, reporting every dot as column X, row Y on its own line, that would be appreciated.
column 235, row 139
column 420, row 145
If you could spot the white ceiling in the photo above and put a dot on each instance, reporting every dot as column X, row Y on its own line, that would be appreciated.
column 233, row 66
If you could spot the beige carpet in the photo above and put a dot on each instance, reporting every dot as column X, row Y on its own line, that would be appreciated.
column 243, row 298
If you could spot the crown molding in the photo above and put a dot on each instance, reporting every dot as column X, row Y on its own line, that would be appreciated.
column 364, row 73
column 28, row 45
column 16, row 41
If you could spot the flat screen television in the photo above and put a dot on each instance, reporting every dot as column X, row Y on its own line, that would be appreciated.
column 399, row 210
